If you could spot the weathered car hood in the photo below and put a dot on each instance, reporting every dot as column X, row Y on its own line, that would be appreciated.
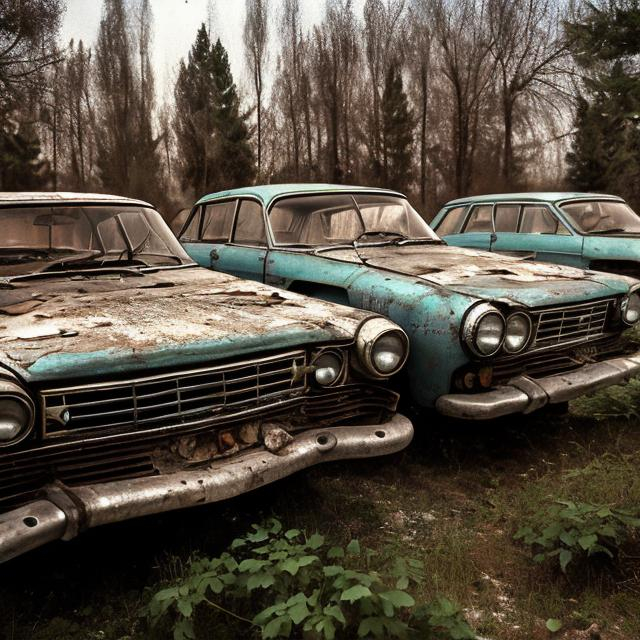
column 487, row 275
column 57, row 328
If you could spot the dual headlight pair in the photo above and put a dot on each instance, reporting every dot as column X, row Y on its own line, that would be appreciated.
column 381, row 350
column 630, row 307
column 486, row 330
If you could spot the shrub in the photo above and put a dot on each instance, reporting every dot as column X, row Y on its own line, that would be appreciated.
column 577, row 530
column 282, row 583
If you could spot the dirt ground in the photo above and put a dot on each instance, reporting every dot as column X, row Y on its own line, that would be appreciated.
column 454, row 499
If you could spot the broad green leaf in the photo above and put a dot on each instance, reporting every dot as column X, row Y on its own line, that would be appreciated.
column 370, row 626
column 299, row 612
column 292, row 533
column 332, row 570
column 305, row 561
column 327, row 628
column 398, row 598
column 185, row 607
column 315, row 541
column 354, row 548
column 260, row 580
column 565, row 558
column 335, row 552
column 402, row 582
column 554, row 625
column 252, row 566
column 183, row 630
column 335, row 612
column 290, row 566
column 356, row 592
column 586, row 542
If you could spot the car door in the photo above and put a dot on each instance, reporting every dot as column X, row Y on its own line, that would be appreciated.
column 540, row 235
column 208, row 231
column 245, row 255
column 476, row 231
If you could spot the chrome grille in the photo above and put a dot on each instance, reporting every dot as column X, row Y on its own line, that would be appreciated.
column 571, row 323
column 174, row 398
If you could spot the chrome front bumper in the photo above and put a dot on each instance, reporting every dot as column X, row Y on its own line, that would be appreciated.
column 64, row 512
column 524, row 394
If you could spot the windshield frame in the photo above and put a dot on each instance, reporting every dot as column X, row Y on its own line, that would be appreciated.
column 346, row 192
column 604, row 198
column 51, row 205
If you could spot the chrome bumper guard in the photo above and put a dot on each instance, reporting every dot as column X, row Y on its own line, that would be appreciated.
column 524, row 395
column 64, row 512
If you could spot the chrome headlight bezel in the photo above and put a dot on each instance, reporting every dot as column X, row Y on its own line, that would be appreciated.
column 12, row 390
column 523, row 346
column 369, row 334
column 634, row 294
column 472, row 323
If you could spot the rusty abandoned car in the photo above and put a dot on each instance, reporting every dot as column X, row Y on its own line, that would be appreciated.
column 133, row 381
column 490, row 335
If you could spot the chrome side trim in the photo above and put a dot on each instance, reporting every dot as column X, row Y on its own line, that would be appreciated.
column 40, row 522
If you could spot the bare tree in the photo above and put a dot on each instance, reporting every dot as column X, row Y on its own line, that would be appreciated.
column 531, row 54
column 256, row 33
column 465, row 44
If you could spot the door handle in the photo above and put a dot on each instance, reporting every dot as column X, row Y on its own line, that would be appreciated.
column 494, row 237
column 214, row 254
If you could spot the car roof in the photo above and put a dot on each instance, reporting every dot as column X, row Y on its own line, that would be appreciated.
column 535, row 196
column 268, row 192
column 48, row 197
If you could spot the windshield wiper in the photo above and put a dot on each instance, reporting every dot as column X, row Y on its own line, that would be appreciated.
column 392, row 234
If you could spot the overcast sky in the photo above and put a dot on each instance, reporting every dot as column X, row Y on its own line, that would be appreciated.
column 175, row 26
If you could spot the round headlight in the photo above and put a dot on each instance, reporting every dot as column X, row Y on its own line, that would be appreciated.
column 328, row 368
column 382, row 347
column 16, row 413
column 631, row 308
column 484, row 329
column 388, row 352
column 517, row 332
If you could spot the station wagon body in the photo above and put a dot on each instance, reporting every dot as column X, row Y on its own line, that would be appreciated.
column 585, row 230
column 490, row 335
column 133, row 381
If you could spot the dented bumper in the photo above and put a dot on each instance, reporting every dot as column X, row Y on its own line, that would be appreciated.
column 64, row 512
column 524, row 394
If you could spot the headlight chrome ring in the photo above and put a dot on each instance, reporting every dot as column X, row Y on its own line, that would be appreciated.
column 630, row 307
column 517, row 332
column 484, row 330
column 382, row 347
column 17, row 413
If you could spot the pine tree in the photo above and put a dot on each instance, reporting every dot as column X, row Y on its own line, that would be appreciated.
column 211, row 133
column 397, row 132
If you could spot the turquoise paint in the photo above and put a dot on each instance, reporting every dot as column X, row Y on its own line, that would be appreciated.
column 67, row 366
column 266, row 193
column 430, row 314
column 575, row 249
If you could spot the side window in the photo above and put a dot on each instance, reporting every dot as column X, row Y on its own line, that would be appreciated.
column 451, row 222
column 218, row 219
column 537, row 219
column 190, row 234
column 506, row 218
column 480, row 219
column 250, row 224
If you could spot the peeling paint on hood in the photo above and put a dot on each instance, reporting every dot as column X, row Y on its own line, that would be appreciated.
column 487, row 275
column 98, row 325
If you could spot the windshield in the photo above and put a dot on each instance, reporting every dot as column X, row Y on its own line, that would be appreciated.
column 37, row 238
column 602, row 216
column 341, row 218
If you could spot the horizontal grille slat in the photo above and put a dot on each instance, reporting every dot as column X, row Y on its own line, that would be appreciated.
column 576, row 322
column 172, row 398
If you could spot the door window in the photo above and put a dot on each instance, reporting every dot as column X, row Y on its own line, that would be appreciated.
column 506, row 218
column 452, row 221
column 218, row 219
column 539, row 220
column 480, row 220
column 250, row 224
column 190, row 234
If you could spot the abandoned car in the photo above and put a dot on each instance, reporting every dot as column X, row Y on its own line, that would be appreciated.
column 586, row 230
column 133, row 382
column 490, row 335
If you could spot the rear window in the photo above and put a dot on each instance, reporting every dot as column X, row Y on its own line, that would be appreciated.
column 506, row 218
column 451, row 222
column 480, row 219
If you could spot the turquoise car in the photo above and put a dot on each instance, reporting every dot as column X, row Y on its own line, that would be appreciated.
column 490, row 335
column 134, row 382
column 585, row 230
